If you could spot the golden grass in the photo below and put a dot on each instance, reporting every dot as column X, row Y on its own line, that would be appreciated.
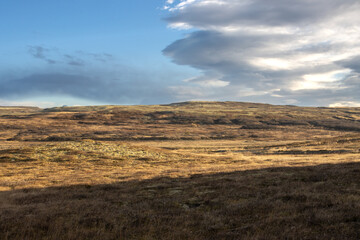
column 95, row 162
column 196, row 170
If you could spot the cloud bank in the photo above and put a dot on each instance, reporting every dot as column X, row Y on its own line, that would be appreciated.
column 105, row 89
column 290, row 52
column 93, row 77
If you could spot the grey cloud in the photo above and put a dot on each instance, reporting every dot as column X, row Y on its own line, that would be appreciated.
column 261, row 12
column 218, row 54
column 50, row 61
column 41, row 53
column 210, row 48
column 211, row 52
column 275, row 50
column 323, row 97
column 76, row 63
column 76, row 59
column 104, row 57
column 44, row 83
column 96, row 77
column 38, row 51
column 99, row 57
column 133, row 87
column 352, row 63
column 311, row 97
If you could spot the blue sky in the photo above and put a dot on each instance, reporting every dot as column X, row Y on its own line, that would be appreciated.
column 88, row 52
column 132, row 29
column 130, row 34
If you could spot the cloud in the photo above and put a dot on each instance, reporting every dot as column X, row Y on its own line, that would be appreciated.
column 40, row 52
column 77, row 59
column 345, row 104
column 127, row 86
column 43, row 104
column 74, row 61
column 279, row 50
column 80, row 77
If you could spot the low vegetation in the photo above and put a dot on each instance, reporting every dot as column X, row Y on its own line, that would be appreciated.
column 194, row 170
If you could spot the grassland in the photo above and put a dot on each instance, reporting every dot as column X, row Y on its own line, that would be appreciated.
column 194, row 170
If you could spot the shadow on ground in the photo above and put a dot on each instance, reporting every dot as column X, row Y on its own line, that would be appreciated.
column 321, row 202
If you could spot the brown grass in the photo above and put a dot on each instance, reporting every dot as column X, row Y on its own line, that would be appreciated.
column 320, row 202
column 195, row 170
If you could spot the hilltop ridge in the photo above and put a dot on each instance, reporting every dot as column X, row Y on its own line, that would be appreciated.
column 228, row 120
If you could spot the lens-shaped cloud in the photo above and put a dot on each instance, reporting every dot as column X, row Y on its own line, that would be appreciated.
column 301, row 51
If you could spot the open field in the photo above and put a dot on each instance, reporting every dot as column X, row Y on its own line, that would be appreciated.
column 196, row 170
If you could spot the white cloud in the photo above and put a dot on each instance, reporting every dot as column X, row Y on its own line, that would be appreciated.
column 179, row 25
column 43, row 104
column 322, row 80
column 294, row 46
column 212, row 83
column 271, row 63
column 345, row 104
column 172, row 6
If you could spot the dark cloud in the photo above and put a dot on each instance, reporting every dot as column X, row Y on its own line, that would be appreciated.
column 352, row 63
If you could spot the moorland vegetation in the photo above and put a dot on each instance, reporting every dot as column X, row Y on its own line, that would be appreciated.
column 192, row 170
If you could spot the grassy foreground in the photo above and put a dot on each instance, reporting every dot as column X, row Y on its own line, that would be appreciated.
column 197, row 170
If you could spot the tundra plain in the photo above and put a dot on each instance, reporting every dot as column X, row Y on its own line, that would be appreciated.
column 193, row 170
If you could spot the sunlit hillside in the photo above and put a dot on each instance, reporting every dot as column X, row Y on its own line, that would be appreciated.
column 193, row 170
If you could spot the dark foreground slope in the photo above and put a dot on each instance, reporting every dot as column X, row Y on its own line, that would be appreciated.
column 319, row 202
column 195, row 170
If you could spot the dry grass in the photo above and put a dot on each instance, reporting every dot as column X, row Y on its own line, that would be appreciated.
column 320, row 202
column 182, row 171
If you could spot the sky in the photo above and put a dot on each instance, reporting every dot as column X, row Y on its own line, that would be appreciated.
column 91, row 52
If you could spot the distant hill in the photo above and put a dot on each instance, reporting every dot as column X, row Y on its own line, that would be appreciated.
column 16, row 110
column 213, row 120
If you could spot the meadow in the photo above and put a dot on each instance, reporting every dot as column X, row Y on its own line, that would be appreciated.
column 193, row 170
